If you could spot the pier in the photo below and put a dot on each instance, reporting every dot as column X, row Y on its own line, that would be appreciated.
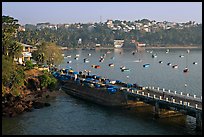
column 170, row 100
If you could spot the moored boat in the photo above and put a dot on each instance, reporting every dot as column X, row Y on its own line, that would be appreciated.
column 186, row 70
column 146, row 65
column 175, row 66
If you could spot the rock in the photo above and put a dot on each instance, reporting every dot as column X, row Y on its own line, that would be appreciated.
column 38, row 105
column 46, row 104
column 19, row 108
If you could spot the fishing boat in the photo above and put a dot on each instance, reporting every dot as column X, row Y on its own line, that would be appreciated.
column 139, row 60
column 97, row 66
column 111, row 65
column 169, row 64
column 122, row 67
column 126, row 69
column 195, row 63
column 185, row 70
column 154, row 55
column 167, row 51
column 86, row 60
column 101, row 60
column 175, row 66
column 146, row 65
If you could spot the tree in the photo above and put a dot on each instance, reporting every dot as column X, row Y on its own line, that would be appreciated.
column 48, row 53
column 9, row 31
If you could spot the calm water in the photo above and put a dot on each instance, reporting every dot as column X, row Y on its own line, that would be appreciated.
column 68, row 115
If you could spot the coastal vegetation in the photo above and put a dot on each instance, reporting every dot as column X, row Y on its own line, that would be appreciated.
column 85, row 35
column 23, row 85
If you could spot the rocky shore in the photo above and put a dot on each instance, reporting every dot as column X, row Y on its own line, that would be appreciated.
column 12, row 106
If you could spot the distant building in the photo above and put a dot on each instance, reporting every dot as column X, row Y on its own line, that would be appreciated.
column 21, row 28
column 98, row 45
column 118, row 43
column 109, row 23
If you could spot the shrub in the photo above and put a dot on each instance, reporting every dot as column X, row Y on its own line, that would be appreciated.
column 29, row 65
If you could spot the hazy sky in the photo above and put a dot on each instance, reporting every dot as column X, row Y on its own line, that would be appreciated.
column 84, row 12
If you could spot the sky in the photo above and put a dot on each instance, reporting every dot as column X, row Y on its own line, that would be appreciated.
column 91, row 12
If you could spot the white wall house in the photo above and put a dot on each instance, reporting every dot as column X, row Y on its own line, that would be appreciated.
column 26, row 54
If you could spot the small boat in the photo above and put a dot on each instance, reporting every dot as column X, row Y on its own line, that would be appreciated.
column 63, row 55
column 122, row 67
column 185, row 70
column 108, row 52
column 169, row 64
column 77, row 55
column 133, row 53
column 175, row 66
column 181, row 56
column 93, row 66
column 101, row 60
column 151, row 51
column 76, row 58
column 97, row 66
column 111, row 65
column 160, row 61
column 86, row 60
column 154, row 55
column 139, row 60
column 89, row 54
column 69, row 61
column 167, row 51
column 69, row 56
column 146, row 65
column 188, row 51
column 195, row 63
column 126, row 69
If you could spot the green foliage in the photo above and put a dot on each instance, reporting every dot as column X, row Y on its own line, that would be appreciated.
column 48, row 53
column 29, row 65
column 7, row 70
column 47, row 81
column 100, row 33
column 9, row 31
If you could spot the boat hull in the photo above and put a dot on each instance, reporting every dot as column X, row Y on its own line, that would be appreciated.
column 97, row 95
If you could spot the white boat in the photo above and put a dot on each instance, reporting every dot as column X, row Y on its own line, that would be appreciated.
column 69, row 61
column 169, row 64
column 77, row 55
column 69, row 56
column 160, row 61
column 89, row 54
column 154, row 55
column 76, row 58
column 185, row 70
column 181, row 56
column 122, row 67
column 111, row 65
column 175, row 66
column 167, row 51
column 139, row 60
column 195, row 63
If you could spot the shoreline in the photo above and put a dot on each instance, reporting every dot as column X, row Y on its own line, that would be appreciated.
column 146, row 47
